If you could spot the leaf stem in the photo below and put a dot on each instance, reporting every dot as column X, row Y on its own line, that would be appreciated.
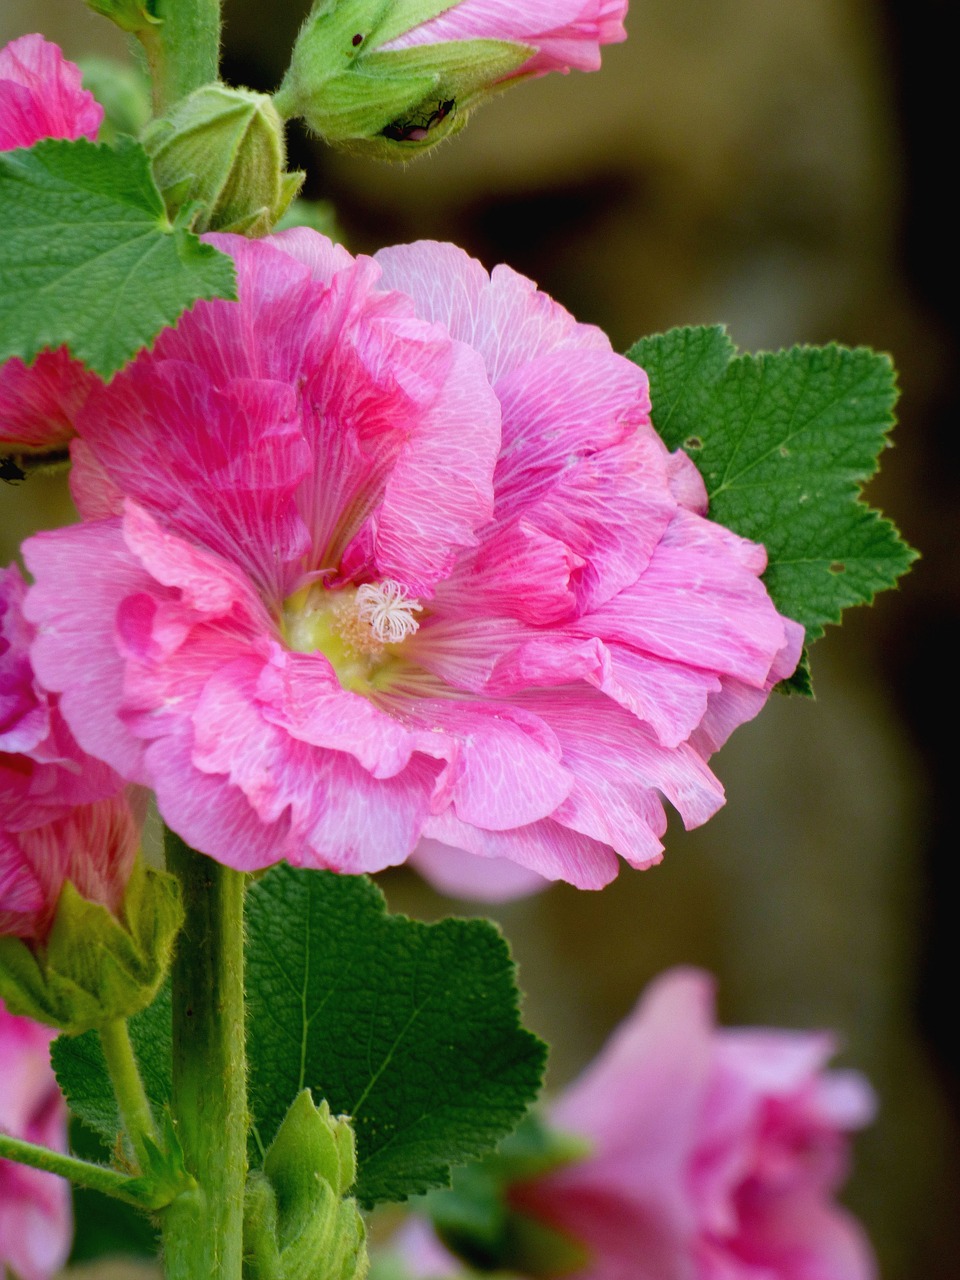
column 127, row 1085
column 94, row 1176
column 203, row 1229
column 183, row 50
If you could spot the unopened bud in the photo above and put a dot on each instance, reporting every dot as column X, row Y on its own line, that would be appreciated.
column 223, row 149
column 94, row 966
column 391, row 102
column 299, row 1224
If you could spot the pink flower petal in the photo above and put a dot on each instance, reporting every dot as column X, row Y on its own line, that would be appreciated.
column 565, row 33
column 41, row 95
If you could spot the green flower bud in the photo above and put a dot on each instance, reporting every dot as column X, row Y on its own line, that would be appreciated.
column 298, row 1225
column 223, row 150
column 93, row 966
column 392, row 103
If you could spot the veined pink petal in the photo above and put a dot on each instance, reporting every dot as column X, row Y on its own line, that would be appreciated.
column 93, row 847
column 501, row 314
column 39, row 403
column 41, row 95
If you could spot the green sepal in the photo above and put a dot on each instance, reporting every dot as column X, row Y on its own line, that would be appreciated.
column 476, row 1220
column 129, row 15
column 165, row 1174
column 222, row 151
column 95, row 967
column 353, row 93
column 298, row 1224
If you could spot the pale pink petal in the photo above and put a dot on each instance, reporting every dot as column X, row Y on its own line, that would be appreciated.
column 552, row 851
column 502, row 315
column 802, row 1237
column 35, row 1214
column 565, row 33
column 41, row 95
column 462, row 875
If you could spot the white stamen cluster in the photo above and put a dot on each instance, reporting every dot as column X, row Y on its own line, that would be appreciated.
column 388, row 610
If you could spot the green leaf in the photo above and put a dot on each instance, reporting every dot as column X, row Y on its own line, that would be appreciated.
column 105, row 1226
column 88, row 256
column 784, row 443
column 82, row 1072
column 412, row 1030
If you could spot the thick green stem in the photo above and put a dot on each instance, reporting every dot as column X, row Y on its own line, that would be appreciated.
column 127, row 1085
column 84, row 1174
column 183, row 50
column 203, row 1230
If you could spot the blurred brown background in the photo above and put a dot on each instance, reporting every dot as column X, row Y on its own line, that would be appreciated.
column 773, row 166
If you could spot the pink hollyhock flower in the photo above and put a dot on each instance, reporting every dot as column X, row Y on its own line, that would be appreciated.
column 41, row 97
column 565, row 33
column 396, row 554
column 35, row 1217
column 716, row 1152
column 63, row 815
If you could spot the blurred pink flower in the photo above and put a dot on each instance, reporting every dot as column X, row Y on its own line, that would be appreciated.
column 63, row 815
column 389, row 550
column 565, row 33
column 716, row 1152
column 35, row 1216
column 41, row 97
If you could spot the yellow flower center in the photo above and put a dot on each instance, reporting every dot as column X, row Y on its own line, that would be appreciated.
column 357, row 628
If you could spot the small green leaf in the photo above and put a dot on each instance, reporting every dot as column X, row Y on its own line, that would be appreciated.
column 412, row 1030
column 784, row 443
column 88, row 256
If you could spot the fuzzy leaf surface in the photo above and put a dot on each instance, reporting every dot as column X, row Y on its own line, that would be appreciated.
column 410, row 1029
column 785, row 442
column 82, row 1071
column 88, row 256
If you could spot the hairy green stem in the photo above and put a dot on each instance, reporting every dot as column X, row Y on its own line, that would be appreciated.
column 95, row 1176
column 183, row 50
column 203, row 1229
column 135, row 1110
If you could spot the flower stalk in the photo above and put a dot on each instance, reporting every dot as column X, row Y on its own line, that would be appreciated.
column 183, row 49
column 203, row 1228
column 96, row 1177
column 135, row 1110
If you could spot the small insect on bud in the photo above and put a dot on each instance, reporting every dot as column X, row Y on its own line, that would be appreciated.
column 223, row 149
